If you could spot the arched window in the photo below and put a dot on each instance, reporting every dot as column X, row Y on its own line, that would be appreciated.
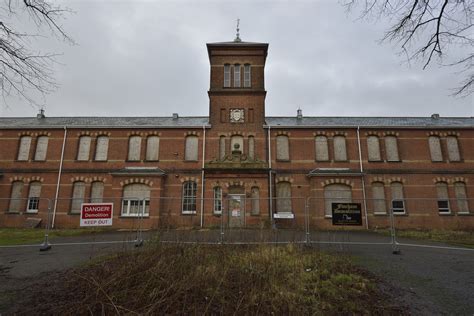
column 16, row 194
column 134, row 148
column 189, row 197
column 84, row 148
column 217, row 200
column 255, row 203
column 378, row 196
column 453, row 148
column 222, row 147
column 283, row 195
column 136, row 200
column 237, row 76
column 398, row 202
column 336, row 193
column 78, row 193
column 41, row 148
column 461, row 197
column 247, row 76
column 101, row 148
column 443, row 198
column 282, row 148
column 152, row 148
column 237, row 139
column 321, row 145
column 373, row 147
column 191, row 148
column 97, row 192
column 34, row 195
column 340, row 152
column 435, row 148
column 226, row 76
column 251, row 147
column 391, row 148
column 24, row 150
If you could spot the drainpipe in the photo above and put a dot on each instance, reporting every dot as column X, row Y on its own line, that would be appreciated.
column 362, row 178
column 202, row 173
column 270, row 176
column 59, row 177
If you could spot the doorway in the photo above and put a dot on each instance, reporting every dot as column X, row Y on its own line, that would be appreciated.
column 236, row 211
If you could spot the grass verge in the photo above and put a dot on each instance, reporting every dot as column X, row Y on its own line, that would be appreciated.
column 18, row 236
column 453, row 237
column 199, row 279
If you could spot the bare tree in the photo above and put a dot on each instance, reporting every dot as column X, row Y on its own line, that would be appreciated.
column 428, row 30
column 23, row 70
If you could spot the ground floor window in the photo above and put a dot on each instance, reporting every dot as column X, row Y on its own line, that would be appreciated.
column 336, row 193
column 34, row 197
column 136, row 200
column 217, row 200
column 398, row 202
column 189, row 197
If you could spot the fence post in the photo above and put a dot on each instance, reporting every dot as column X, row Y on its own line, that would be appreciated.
column 395, row 248
column 306, row 219
column 45, row 246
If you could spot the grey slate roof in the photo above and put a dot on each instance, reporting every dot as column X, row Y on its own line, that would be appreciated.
column 199, row 121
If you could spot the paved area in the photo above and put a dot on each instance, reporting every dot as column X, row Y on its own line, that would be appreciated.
column 430, row 280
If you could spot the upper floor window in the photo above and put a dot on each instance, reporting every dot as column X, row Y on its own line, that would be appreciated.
column 226, row 75
column 237, row 76
column 222, row 147
column 251, row 147
column 34, row 197
column 435, row 148
column 336, row 193
column 443, row 199
column 16, row 194
column 340, row 152
column 191, row 148
column 136, row 200
column 461, row 197
column 152, row 148
column 398, row 203
column 378, row 196
column 41, row 148
column 24, row 150
column 217, row 200
column 101, row 148
column 78, row 194
column 391, row 148
column 282, row 148
column 321, row 145
column 134, row 148
column 97, row 192
column 453, row 148
column 247, row 76
column 189, row 197
column 84, row 148
column 283, row 195
column 373, row 147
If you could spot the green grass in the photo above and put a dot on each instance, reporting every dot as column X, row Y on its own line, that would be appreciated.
column 453, row 237
column 19, row 236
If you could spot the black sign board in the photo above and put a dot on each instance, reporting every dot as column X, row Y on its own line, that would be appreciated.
column 346, row 214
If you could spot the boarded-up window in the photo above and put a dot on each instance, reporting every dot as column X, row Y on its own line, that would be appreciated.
column 226, row 76
column 84, row 148
column 373, row 147
column 378, row 196
column 453, row 148
column 17, row 192
column 97, row 192
column 322, row 153
column 283, row 195
column 237, row 140
column 398, row 202
column 191, row 150
column 136, row 200
column 461, row 197
column 34, row 195
column 102, row 148
column 41, row 148
column 391, row 148
column 251, row 147
column 443, row 198
column 24, row 150
column 247, row 78
column 217, row 200
column 134, row 148
column 282, row 148
column 237, row 75
column 222, row 147
column 78, row 192
column 152, row 148
column 435, row 148
column 340, row 152
column 255, row 203
column 189, row 197
column 336, row 193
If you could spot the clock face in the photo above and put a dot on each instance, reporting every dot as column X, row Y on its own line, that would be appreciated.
column 237, row 115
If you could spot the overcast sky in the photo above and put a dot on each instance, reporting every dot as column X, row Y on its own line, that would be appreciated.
column 149, row 58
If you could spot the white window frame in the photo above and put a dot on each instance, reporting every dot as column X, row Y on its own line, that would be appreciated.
column 247, row 76
column 218, row 206
column 189, row 198
column 130, row 203
column 237, row 76
column 227, row 75
column 32, row 205
column 397, row 210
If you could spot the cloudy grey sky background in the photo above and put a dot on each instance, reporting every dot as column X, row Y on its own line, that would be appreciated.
column 149, row 58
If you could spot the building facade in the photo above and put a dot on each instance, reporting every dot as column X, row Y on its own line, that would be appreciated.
column 238, row 165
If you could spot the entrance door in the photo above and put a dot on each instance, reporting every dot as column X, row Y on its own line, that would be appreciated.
column 236, row 211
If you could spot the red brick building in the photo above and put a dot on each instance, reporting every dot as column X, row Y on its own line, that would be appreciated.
column 238, row 165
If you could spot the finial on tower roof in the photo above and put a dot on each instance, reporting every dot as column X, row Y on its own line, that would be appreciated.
column 237, row 38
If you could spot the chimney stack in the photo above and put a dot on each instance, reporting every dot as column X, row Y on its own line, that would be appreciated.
column 40, row 115
column 175, row 116
column 299, row 114
column 435, row 116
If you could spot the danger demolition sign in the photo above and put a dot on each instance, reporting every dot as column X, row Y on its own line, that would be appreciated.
column 96, row 214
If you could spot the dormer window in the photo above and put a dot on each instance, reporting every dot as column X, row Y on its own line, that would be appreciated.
column 247, row 76
column 226, row 76
column 236, row 76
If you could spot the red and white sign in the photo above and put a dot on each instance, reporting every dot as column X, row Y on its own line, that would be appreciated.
column 97, row 214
